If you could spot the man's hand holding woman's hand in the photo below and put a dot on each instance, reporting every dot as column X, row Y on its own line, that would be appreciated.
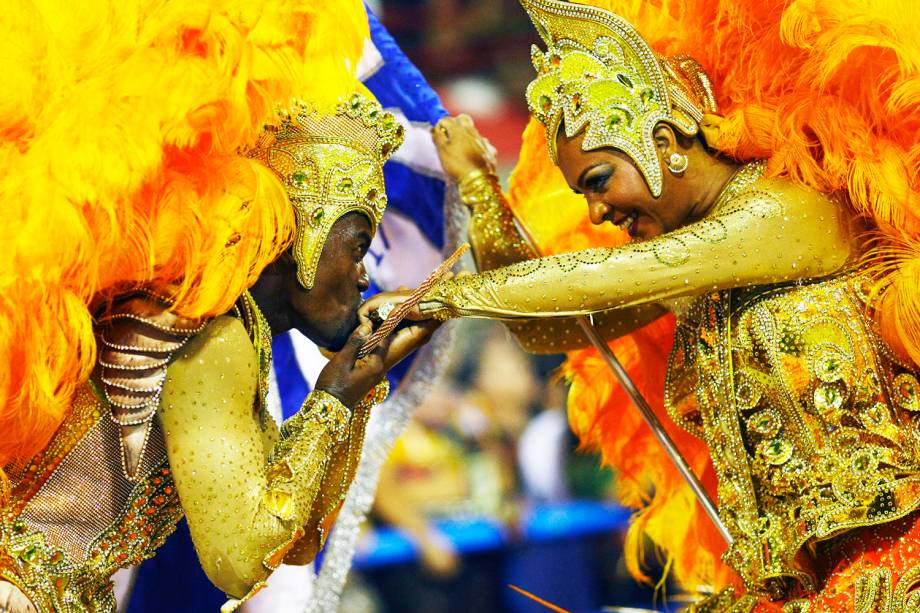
column 349, row 378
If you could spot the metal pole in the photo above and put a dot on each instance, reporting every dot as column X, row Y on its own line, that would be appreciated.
column 587, row 324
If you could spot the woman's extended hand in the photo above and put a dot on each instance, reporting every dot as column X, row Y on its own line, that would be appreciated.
column 349, row 378
column 462, row 148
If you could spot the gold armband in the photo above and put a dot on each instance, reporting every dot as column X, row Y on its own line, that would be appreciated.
column 479, row 187
column 496, row 239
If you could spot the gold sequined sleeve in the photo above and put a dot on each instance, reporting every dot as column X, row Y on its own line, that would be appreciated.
column 497, row 242
column 247, row 490
column 770, row 233
column 337, row 477
column 494, row 236
column 557, row 335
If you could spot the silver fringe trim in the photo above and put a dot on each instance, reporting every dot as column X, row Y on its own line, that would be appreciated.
column 387, row 422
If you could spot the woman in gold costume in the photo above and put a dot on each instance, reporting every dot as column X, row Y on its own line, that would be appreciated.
column 778, row 231
column 162, row 408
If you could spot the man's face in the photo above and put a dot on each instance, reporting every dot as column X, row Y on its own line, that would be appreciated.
column 328, row 312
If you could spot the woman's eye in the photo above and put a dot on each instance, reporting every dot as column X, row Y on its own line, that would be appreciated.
column 598, row 183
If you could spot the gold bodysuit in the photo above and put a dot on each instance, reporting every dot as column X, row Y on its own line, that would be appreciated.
column 812, row 424
column 174, row 423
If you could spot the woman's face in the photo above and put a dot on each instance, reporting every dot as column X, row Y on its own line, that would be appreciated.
column 615, row 190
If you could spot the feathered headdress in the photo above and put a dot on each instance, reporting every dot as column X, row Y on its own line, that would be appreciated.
column 120, row 123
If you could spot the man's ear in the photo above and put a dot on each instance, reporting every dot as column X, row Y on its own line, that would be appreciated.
column 287, row 259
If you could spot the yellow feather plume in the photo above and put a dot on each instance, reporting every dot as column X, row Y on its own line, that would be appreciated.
column 120, row 123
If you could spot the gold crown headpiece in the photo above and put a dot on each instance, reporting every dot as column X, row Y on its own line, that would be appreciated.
column 331, row 165
column 599, row 75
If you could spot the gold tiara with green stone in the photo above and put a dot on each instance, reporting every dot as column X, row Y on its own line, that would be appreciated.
column 598, row 75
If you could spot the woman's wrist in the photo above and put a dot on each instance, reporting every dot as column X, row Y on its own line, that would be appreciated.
column 478, row 187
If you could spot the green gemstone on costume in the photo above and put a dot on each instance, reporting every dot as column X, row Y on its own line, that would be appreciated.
column 829, row 366
column 765, row 423
column 775, row 451
column 30, row 554
column 829, row 397
column 299, row 178
column 344, row 185
column 863, row 462
column 316, row 218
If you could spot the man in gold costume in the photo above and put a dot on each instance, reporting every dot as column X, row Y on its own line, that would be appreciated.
column 778, row 363
column 173, row 421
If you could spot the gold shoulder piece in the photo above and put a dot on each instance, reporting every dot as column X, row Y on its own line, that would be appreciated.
column 137, row 340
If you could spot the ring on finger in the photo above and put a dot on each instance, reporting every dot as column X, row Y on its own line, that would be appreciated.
column 384, row 310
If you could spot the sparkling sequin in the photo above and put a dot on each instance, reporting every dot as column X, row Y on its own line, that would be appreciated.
column 906, row 392
column 766, row 423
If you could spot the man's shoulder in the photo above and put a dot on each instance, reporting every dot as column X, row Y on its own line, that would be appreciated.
column 138, row 338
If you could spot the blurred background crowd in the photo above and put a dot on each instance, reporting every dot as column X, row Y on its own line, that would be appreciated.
column 476, row 53
column 487, row 488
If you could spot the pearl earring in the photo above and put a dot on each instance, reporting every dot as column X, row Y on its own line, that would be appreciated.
column 677, row 163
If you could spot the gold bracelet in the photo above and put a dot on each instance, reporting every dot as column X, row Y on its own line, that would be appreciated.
column 376, row 396
column 478, row 187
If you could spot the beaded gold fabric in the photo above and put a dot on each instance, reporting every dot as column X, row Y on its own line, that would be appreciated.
column 812, row 423
column 869, row 570
column 598, row 75
column 73, row 516
column 330, row 165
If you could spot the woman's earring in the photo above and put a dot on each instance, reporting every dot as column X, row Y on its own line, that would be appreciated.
column 677, row 163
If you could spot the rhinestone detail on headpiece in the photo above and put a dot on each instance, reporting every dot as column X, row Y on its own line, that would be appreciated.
column 330, row 165
column 599, row 75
